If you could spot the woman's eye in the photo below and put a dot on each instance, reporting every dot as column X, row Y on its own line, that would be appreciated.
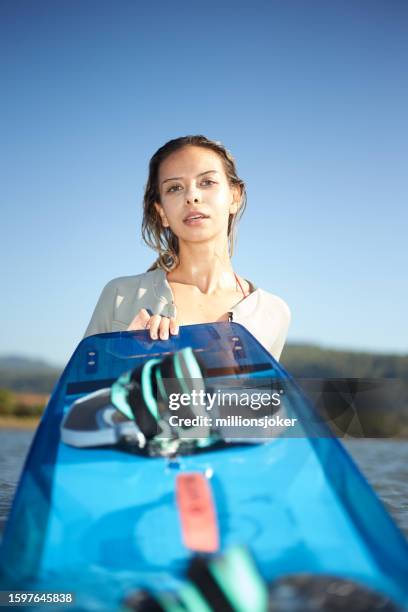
column 174, row 188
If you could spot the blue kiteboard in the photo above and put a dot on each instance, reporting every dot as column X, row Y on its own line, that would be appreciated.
column 105, row 521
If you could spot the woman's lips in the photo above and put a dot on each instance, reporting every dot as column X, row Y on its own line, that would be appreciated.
column 197, row 221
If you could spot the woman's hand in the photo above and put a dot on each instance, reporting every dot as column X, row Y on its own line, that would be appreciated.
column 159, row 326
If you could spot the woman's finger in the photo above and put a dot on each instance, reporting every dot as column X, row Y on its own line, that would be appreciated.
column 174, row 327
column 164, row 328
column 141, row 320
column 154, row 326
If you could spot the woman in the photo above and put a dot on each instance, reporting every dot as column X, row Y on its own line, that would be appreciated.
column 192, row 203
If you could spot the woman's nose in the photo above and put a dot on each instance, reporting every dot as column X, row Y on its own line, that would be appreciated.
column 192, row 196
column 191, row 200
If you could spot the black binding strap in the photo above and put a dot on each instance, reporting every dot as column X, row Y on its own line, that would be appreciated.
column 200, row 575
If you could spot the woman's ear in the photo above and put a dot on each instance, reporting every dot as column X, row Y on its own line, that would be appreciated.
column 162, row 214
column 236, row 202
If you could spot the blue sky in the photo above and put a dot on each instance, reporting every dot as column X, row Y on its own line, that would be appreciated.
column 311, row 99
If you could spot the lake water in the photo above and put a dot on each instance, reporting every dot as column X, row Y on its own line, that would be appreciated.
column 383, row 462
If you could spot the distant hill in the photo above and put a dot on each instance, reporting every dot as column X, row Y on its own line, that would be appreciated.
column 308, row 360
column 26, row 364
column 357, row 392
column 28, row 375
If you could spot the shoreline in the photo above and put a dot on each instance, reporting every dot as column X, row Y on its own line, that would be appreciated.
column 27, row 423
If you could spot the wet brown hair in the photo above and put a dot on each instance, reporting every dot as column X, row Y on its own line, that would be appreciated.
column 162, row 239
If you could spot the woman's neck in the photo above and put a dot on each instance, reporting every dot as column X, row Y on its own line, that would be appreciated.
column 207, row 268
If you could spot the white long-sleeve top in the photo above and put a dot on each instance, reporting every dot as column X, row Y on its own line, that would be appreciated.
column 264, row 314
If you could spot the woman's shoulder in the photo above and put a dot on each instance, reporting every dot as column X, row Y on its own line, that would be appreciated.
column 276, row 301
column 265, row 301
column 147, row 290
column 144, row 278
column 123, row 296
column 267, row 316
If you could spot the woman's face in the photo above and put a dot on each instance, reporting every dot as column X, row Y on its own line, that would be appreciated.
column 192, row 181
